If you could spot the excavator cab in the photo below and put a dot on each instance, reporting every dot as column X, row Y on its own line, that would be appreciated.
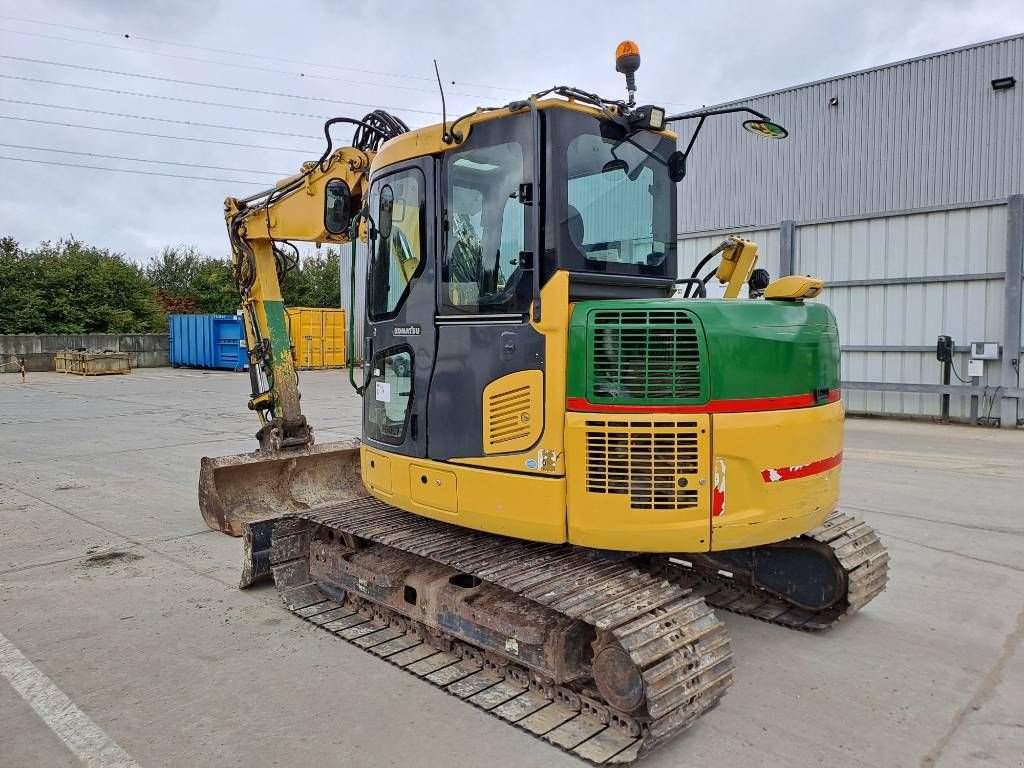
column 533, row 209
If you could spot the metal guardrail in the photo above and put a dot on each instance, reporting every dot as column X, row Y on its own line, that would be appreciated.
column 965, row 390
column 977, row 395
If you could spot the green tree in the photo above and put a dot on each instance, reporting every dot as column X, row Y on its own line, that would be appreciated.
column 315, row 282
column 21, row 306
column 214, row 289
column 186, row 280
column 70, row 287
column 173, row 271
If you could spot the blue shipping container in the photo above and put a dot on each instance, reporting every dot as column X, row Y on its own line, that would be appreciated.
column 208, row 341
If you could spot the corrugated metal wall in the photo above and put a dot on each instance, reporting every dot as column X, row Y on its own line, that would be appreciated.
column 897, row 197
column 888, row 331
column 921, row 133
column 944, row 243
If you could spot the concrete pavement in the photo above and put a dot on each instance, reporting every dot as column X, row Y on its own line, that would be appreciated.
column 112, row 587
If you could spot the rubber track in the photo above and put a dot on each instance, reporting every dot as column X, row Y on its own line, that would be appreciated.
column 680, row 646
column 857, row 548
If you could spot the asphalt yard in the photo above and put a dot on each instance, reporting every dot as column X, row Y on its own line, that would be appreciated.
column 124, row 640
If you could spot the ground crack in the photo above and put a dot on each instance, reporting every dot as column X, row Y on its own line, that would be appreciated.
column 981, row 696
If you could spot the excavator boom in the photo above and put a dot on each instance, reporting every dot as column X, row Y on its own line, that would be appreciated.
column 289, row 471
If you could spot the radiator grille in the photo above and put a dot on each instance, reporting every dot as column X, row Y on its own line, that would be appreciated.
column 507, row 417
column 645, row 355
column 655, row 463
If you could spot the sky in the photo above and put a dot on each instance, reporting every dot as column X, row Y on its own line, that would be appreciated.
column 83, row 81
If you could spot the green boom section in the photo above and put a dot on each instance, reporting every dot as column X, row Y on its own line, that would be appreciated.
column 679, row 352
column 281, row 373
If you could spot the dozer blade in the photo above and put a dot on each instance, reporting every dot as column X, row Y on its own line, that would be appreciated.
column 244, row 488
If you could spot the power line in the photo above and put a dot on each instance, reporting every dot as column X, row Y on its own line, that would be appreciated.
column 262, row 56
column 161, row 97
column 272, row 58
column 144, row 160
column 126, row 170
column 181, row 99
column 251, row 67
column 234, row 88
column 157, row 135
column 161, row 119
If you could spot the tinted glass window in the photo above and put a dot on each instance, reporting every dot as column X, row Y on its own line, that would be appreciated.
column 486, row 230
column 611, row 192
column 389, row 395
column 397, row 207
column 611, row 205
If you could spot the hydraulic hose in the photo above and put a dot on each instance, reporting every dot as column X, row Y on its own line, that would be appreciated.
column 354, row 237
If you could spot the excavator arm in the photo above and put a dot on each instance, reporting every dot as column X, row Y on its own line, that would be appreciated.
column 320, row 204
column 317, row 206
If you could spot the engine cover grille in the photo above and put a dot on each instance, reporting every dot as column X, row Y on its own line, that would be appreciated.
column 646, row 356
column 655, row 463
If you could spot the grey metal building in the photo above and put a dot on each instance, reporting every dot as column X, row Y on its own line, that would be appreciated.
column 903, row 187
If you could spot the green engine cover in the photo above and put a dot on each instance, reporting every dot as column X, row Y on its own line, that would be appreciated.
column 679, row 352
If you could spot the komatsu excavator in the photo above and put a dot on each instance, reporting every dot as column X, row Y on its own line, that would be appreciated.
column 568, row 457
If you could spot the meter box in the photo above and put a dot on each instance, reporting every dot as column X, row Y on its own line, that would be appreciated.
column 984, row 350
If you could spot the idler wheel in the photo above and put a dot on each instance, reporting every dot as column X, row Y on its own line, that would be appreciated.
column 618, row 678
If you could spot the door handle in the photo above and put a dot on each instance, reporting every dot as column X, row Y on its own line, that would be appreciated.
column 509, row 344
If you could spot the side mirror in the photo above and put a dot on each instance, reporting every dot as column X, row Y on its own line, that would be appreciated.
column 384, row 214
column 337, row 207
column 677, row 166
column 765, row 128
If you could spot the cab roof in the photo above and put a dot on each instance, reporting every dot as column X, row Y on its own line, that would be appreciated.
column 427, row 140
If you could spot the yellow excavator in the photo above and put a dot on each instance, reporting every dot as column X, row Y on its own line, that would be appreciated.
column 569, row 457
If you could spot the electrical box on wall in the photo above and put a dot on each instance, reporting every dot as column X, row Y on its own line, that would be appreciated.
column 975, row 367
column 984, row 350
column 944, row 349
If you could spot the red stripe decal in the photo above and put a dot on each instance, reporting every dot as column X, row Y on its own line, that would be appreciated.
column 718, row 490
column 715, row 406
column 717, row 502
column 802, row 470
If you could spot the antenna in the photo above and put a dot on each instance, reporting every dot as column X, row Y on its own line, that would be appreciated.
column 445, row 136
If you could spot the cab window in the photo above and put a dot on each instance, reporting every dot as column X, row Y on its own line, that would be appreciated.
column 396, row 208
column 613, row 185
column 389, row 395
column 485, row 230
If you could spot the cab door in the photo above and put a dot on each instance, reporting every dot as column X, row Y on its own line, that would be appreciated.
column 485, row 289
column 400, row 337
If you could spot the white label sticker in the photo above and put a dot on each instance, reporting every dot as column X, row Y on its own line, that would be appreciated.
column 383, row 392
